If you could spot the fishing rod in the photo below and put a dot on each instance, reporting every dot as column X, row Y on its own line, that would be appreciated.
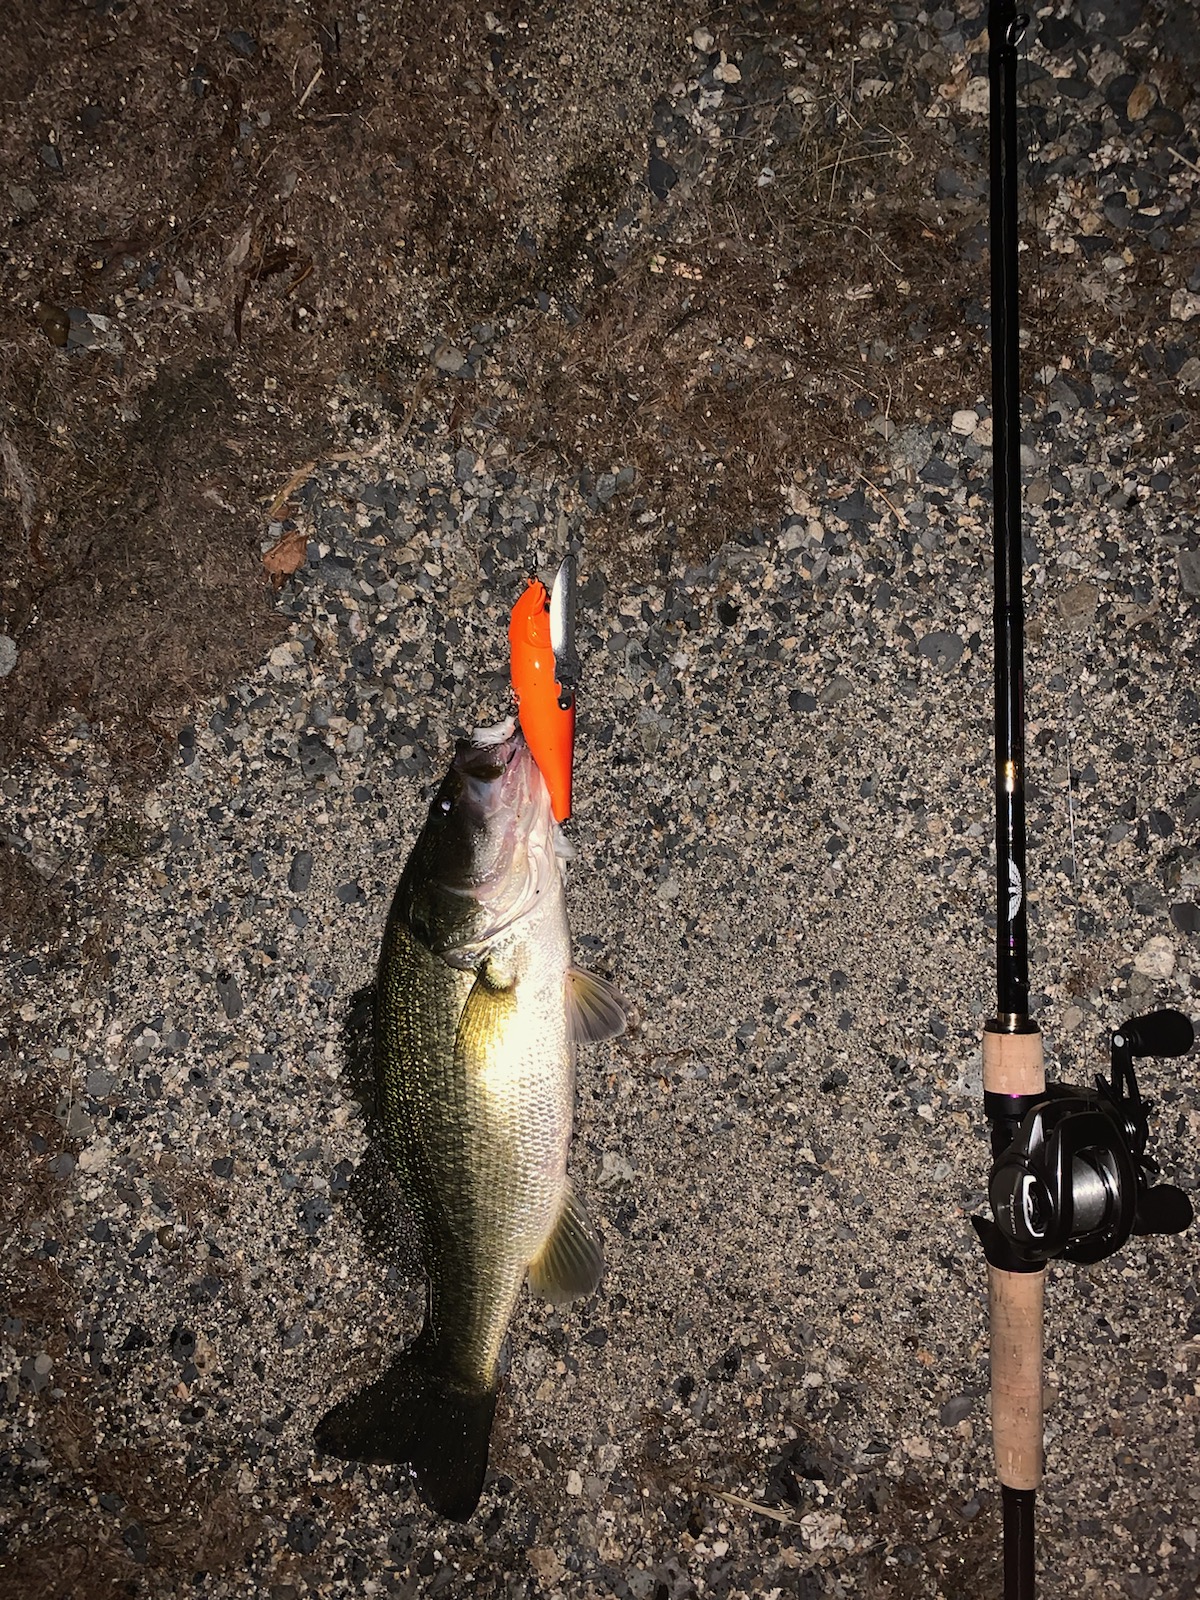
column 1070, row 1174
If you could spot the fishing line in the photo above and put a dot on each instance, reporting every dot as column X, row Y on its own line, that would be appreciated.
column 1044, row 371
column 1043, row 376
column 1075, row 885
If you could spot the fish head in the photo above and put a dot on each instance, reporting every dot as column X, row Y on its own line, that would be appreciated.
column 486, row 851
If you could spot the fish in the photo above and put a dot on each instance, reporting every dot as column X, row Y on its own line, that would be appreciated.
column 478, row 1012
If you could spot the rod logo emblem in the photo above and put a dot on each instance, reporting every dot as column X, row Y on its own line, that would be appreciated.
column 1016, row 891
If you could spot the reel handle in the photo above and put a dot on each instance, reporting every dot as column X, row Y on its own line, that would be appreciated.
column 1159, row 1033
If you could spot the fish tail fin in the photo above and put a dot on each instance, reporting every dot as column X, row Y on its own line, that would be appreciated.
column 411, row 1416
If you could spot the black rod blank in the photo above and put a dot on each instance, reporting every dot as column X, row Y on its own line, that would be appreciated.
column 1018, row 1513
column 1005, row 29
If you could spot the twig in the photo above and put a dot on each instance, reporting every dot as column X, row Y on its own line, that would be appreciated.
column 830, row 1556
column 312, row 84
column 301, row 474
column 285, row 494
column 22, row 482
column 890, row 504
column 756, row 1506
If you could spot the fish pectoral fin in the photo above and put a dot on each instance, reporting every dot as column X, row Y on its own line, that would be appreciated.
column 572, row 1258
column 595, row 1010
column 487, row 1007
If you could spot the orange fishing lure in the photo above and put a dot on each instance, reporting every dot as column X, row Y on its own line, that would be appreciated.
column 545, row 706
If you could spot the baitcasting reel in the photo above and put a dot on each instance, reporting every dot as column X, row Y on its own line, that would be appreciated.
column 1071, row 1176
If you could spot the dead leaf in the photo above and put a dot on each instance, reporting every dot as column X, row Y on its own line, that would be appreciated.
column 54, row 322
column 286, row 555
column 240, row 250
column 1141, row 99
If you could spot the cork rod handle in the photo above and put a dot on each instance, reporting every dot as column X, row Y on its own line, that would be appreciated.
column 1013, row 1064
column 1015, row 1309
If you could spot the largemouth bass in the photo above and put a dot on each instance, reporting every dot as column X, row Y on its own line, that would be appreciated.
column 477, row 1014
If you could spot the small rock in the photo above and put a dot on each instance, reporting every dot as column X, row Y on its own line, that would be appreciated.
column 661, row 177
column 975, row 97
column 1189, row 571
column 1140, row 101
column 1077, row 606
column 449, row 360
column 820, row 1529
column 317, row 760
column 8, row 655
column 964, row 422
column 943, row 648
column 96, row 1157
column 614, row 1168
column 1156, row 958
column 300, row 872
column 229, row 994
column 956, row 1410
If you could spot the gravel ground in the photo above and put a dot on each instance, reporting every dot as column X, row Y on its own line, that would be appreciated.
column 783, row 821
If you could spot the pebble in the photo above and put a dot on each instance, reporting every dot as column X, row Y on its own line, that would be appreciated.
column 1156, row 958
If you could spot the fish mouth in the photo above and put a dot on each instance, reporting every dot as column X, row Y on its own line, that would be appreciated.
column 503, row 808
column 493, row 770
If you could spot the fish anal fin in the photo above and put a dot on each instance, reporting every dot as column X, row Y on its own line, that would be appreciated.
column 594, row 1008
column 571, row 1260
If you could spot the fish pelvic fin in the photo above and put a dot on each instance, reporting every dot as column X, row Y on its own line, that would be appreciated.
column 412, row 1416
column 571, row 1260
column 595, row 1009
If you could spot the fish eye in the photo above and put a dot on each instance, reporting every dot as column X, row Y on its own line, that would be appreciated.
column 445, row 805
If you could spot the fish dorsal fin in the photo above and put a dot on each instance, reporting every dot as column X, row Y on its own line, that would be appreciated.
column 572, row 1258
column 594, row 1008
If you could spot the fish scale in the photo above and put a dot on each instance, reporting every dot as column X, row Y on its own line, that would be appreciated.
column 487, row 1121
